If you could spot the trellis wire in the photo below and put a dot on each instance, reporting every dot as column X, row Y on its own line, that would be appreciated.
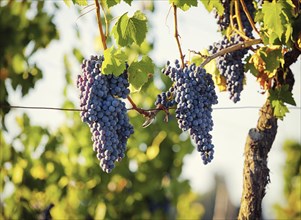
column 74, row 109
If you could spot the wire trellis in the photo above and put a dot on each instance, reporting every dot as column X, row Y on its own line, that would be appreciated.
column 78, row 110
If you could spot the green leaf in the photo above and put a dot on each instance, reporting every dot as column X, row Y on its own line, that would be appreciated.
column 279, row 109
column 184, row 4
column 68, row 3
column 111, row 3
column 130, row 29
column 114, row 61
column 129, row 2
column 286, row 95
column 139, row 70
column 249, row 66
column 272, row 17
column 283, row 94
column 272, row 58
column 277, row 21
column 80, row 2
column 213, row 4
column 280, row 96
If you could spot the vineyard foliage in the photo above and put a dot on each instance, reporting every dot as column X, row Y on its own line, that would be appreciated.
column 57, row 173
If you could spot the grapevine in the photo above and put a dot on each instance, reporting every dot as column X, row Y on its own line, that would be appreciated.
column 257, row 40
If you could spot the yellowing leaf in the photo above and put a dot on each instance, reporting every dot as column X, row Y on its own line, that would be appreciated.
column 221, row 83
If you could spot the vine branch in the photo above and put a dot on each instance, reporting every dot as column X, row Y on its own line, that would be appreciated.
column 232, row 48
column 241, row 33
column 106, row 20
column 176, row 34
column 103, row 37
column 237, row 16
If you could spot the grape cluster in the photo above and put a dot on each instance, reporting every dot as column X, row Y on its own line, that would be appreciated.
column 194, row 94
column 244, row 19
column 105, row 114
column 166, row 99
column 230, row 65
column 223, row 21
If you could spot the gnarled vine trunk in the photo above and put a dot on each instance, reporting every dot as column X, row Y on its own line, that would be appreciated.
column 256, row 171
column 258, row 144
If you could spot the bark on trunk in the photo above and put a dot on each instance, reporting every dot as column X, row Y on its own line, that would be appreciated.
column 256, row 171
column 258, row 144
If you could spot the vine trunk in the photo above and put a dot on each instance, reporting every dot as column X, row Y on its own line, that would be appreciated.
column 258, row 144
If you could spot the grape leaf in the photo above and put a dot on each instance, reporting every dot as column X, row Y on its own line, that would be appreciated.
column 278, row 98
column 250, row 66
column 111, row 3
column 80, row 2
column 114, row 61
column 184, row 4
column 130, row 29
column 68, row 2
column 277, row 21
column 129, row 2
column 139, row 70
column 280, row 109
column 272, row 57
column 286, row 95
column 272, row 17
column 213, row 4
column 264, row 63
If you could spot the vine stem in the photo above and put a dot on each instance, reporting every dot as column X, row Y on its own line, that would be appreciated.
column 232, row 24
column 232, row 48
column 103, row 37
column 146, row 113
column 244, row 7
column 106, row 20
column 237, row 16
column 176, row 34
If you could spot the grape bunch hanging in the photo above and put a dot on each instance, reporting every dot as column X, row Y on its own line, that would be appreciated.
column 231, row 65
column 193, row 93
column 104, row 112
